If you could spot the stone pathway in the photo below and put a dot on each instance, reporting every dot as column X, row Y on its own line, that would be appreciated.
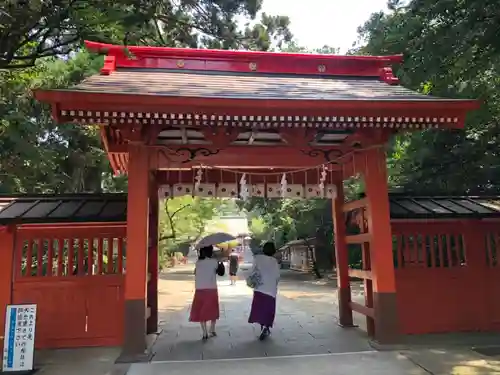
column 306, row 340
column 306, row 322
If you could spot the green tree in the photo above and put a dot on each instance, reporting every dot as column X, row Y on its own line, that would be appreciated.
column 35, row 29
column 183, row 221
column 38, row 155
column 451, row 49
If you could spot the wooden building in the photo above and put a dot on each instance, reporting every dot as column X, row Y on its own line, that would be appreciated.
column 229, row 123
column 297, row 255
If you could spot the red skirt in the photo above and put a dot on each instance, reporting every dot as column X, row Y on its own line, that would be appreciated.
column 205, row 306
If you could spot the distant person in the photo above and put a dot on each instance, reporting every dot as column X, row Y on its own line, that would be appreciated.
column 264, row 280
column 205, row 305
column 233, row 266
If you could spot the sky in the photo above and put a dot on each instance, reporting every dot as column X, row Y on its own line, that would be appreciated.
column 316, row 23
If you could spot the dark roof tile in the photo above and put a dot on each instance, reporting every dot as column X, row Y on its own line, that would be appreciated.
column 65, row 208
column 245, row 86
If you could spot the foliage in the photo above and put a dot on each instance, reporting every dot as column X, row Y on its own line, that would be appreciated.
column 183, row 221
column 451, row 49
column 35, row 29
column 284, row 220
column 36, row 155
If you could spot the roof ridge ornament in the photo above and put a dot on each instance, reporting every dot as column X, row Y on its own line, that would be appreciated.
column 387, row 76
column 109, row 65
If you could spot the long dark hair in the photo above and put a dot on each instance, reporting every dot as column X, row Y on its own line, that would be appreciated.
column 206, row 252
column 269, row 249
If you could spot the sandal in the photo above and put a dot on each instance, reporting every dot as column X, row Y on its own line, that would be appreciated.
column 204, row 338
column 213, row 334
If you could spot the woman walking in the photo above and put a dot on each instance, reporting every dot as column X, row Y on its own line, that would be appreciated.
column 264, row 279
column 205, row 307
column 233, row 266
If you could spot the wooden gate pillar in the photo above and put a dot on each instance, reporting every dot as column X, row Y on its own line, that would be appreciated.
column 342, row 257
column 7, row 244
column 134, row 342
column 381, row 253
column 152, row 323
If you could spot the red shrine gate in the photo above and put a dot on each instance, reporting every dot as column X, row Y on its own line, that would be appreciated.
column 166, row 113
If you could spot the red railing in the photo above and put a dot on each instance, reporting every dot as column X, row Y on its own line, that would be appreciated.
column 74, row 273
column 446, row 274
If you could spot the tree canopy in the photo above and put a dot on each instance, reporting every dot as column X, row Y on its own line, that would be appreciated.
column 35, row 29
column 451, row 49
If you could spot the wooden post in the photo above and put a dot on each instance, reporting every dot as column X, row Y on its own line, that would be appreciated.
column 381, row 254
column 134, row 343
column 152, row 323
column 7, row 244
column 474, row 236
column 342, row 258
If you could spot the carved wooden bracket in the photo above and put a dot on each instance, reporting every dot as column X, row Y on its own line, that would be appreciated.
column 183, row 155
column 327, row 156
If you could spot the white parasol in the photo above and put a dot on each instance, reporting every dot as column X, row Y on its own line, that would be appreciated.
column 214, row 239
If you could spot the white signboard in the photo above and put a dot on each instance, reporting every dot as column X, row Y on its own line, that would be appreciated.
column 19, row 342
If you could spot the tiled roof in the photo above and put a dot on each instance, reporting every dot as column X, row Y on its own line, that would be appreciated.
column 245, row 86
column 65, row 208
column 439, row 207
column 113, row 208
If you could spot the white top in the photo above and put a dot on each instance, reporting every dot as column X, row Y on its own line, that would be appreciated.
column 204, row 274
column 270, row 274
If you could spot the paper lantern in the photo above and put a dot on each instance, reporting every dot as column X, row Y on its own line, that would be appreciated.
column 165, row 192
column 206, row 190
column 227, row 190
column 331, row 191
column 295, row 191
column 273, row 190
column 313, row 191
column 258, row 190
column 180, row 190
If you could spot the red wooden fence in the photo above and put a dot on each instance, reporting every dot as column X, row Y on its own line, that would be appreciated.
column 75, row 275
column 446, row 276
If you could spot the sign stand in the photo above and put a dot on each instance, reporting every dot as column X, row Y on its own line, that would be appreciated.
column 19, row 342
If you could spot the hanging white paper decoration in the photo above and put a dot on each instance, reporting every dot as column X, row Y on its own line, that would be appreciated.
column 197, row 179
column 283, row 188
column 322, row 181
column 244, row 192
column 331, row 191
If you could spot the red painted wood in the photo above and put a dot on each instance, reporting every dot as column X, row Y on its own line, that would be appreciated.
column 153, row 265
column 9, row 260
column 239, row 61
column 450, row 288
column 73, row 310
column 69, row 100
column 224, row 176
